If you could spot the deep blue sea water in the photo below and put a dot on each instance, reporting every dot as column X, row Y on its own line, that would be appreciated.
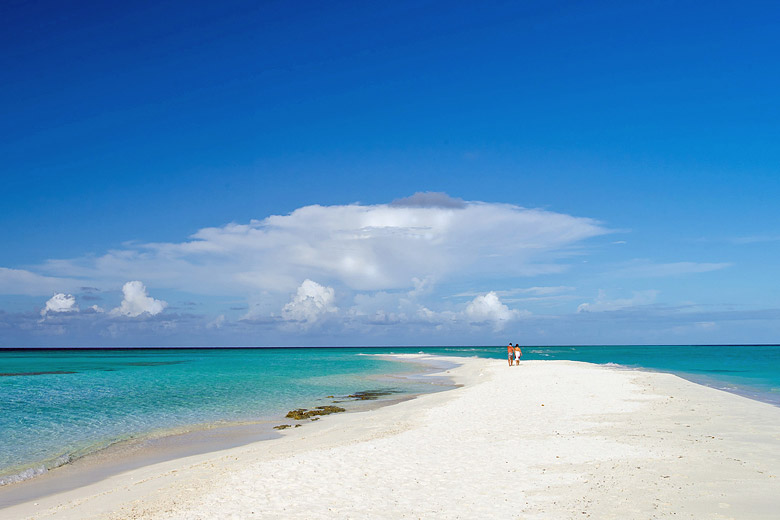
column 57, row 405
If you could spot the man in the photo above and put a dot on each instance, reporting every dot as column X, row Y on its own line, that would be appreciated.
column 511, row 350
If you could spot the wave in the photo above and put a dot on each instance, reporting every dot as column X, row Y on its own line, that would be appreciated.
column 28, row 473
column 617, row 365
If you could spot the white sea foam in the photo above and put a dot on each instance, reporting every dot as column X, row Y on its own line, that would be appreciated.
column 33, row 472
column 23, row 475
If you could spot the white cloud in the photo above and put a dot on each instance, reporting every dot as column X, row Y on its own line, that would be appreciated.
column 19, row 281
column 421, row 287
column 603, row 303
column 484, row 309
column 546, row 291
column 409, row 251
column 535, row 291
column 706, row 325
column 362, row 247
column 544, row 295
column 310, row 304
column 217, row 322
column 647, row 269
column 60, row 303
column 136, row 301
column 755, row 239
column 488, row 308
column 385, row 308
column 696, row 326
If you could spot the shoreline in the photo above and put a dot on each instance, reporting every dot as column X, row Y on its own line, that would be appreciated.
column 747, row 391
column 578, row 439
column 740, row 389
column 178, row 443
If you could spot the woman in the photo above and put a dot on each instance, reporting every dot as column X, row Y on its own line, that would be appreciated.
column 518, row 354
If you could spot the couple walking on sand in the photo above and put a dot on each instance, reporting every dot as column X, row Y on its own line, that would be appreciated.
column 514, row 354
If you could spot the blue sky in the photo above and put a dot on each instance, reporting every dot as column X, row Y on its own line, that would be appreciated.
column 245, row 173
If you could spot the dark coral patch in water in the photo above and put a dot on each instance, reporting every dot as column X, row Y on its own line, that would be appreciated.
column 300, row 414
column 9, row 374
column 371, row 395
column 152, row 363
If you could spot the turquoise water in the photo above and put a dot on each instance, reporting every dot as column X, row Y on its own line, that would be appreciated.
column 57, row 405
column 749, row 370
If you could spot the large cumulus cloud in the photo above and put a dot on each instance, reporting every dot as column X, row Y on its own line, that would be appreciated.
column 361, row 247
column 350, row 267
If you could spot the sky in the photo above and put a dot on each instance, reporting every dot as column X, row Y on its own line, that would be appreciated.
column 406, row 173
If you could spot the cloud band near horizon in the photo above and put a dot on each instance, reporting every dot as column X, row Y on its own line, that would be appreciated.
column 336, row 269
column 360, row 247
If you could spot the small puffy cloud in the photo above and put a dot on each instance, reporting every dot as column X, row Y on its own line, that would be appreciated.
column 484, row 310
column 310, row 304
column 603, row 303
column 488, row 308
column 136, row 301
column 217, row 322
column 421, row 286
column 60, row 302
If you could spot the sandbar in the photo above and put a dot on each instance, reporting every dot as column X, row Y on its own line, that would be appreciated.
column 546, row 439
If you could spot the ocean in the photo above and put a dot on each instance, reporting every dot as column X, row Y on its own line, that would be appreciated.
column 57, row 406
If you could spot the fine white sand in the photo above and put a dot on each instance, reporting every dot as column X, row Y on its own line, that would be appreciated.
column 547, row 439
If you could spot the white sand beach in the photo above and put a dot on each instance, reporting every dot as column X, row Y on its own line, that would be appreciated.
column 547, row 439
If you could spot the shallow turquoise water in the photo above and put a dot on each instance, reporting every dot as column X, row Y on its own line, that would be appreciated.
column 59, row 404
column 750, row 370
column 56, row 405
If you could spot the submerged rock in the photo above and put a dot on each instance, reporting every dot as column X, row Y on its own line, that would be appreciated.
column 371, row 395
column 300, row 414
column 282, row 427
column 297, row 414
column 327, row 410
